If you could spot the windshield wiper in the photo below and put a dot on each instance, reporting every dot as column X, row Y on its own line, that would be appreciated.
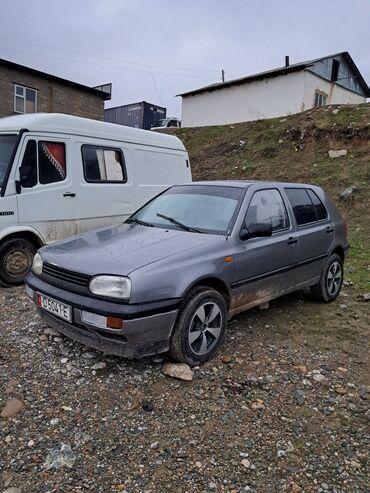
column 177, row 223
column 139, row 221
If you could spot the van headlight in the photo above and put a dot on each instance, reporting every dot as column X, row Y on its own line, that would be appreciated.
column 37, row 264
column 111, row 286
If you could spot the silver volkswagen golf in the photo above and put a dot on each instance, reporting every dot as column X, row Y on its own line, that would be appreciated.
column 170, row 277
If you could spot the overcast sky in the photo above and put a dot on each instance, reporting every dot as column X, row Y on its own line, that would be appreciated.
column 154, row 49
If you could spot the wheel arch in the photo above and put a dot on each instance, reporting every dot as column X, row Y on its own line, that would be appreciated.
column 339, row 250
column 24, row 234
column 213, row 282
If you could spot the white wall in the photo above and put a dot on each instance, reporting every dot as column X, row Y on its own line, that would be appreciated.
column 335, row 93
column 267, row 98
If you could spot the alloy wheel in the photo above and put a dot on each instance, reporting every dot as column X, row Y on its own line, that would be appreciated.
column 334, row 278
column 205, row 328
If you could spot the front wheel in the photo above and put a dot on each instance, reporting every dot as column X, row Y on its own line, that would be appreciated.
column 200, row 327
column 16, row 256
column 331, row 280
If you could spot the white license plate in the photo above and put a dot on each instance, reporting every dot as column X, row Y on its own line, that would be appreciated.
column 55, row 307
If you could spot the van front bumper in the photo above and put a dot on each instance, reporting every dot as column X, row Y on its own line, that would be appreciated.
column 146, row 328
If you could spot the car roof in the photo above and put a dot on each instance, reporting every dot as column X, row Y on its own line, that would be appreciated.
column 248, row 183
column 75, row 125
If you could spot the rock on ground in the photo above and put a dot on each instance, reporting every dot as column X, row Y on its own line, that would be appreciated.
column 182, row 371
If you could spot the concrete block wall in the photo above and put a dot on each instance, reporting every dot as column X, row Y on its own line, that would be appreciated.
column 52, row 96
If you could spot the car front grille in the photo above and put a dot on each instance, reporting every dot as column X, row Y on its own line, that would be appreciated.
column 58, row 274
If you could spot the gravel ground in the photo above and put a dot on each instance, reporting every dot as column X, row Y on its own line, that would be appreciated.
column 283, row 407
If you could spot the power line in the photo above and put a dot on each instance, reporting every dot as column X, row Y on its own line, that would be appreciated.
column 129, row 62
column 131, row 69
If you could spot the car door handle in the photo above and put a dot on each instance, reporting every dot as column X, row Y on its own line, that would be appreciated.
column 292, row 240
column 329, row 229
column 69, row 194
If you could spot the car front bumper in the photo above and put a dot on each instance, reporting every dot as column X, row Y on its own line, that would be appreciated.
column 146, row 328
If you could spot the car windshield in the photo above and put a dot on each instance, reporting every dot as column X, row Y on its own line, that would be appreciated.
column 202, row 208
column 7, row 144
column 161, row 123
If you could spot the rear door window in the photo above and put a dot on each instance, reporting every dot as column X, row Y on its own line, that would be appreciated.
column 103, row 165
column 303, row 208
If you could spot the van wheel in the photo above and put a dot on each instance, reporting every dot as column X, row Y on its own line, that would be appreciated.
column 331, row 280
column 16, row 256
column 200, row 327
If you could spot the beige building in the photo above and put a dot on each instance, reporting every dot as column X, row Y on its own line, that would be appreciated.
column 334, row 79
column 26, row 90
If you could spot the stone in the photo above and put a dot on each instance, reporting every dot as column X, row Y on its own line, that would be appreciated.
column 318, row 377
column 334, row 154
column 365, row 297
column 299, row 397
column 51, row 332
column 257, row 406
column 341, row 390
column 99, row 366
column 246, row 463
column 336, row 111
column 295, row 488
column 31, row 443
column 342, row 369
column 148, row 406
column 12, row 490
column 348, row 192
column 12, row 407
column 182, row 371
column 226, row 359
column 300, row 368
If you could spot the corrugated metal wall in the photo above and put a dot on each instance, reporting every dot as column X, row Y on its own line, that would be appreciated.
column 138, row 115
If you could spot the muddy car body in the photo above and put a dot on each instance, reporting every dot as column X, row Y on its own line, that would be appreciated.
column 172, row 275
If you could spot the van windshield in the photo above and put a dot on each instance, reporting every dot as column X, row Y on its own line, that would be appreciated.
column 7, row 145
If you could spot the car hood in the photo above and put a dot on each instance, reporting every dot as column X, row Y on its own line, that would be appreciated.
column 120, row 249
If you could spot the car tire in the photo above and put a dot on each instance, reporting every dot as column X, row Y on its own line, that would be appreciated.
column 331, row 280
column 200, row 327
column 16, row 257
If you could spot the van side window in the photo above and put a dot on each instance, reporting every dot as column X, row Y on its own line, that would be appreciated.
column 267, row 206
column 29, row 164
column 103, row 165
column 52, row 162
column 302, row 205
column 321, row 212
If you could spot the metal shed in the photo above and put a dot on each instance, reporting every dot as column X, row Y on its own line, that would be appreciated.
column 138, row 115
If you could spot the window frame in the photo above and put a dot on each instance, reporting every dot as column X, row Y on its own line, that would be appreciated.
column 24, row 98
column 317, row 221
column 288, row 228
column 105, row 148
column 320, row 94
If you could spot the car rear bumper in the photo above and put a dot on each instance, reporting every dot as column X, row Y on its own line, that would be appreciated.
column 144, row 332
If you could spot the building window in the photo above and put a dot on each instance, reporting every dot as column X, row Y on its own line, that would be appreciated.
column 320, row 98
column 334, row 70
column 25, row 99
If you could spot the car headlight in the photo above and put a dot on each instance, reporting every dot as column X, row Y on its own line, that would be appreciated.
column 111, row 286
column 37, row 264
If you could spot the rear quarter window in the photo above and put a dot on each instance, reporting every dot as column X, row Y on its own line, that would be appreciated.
column 320, row 209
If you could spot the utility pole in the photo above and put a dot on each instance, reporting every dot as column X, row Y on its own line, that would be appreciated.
column 223, row 75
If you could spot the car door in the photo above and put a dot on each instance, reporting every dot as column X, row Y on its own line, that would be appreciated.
column 45, row 198
column 314, row 229
column 261, row 266
column 105, row 184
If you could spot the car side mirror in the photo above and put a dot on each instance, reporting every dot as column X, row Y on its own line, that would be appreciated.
column 25, row 176
column 256, row 230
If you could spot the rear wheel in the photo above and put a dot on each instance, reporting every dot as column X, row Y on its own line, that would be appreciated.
column 200, row 327
column 16, row 257
column 331, row 280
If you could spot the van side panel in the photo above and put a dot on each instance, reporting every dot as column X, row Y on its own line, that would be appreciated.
column 156, row 169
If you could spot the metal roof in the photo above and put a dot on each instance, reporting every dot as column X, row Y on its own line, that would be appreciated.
column 75, row 125
column 101, row 94
column 296, row 67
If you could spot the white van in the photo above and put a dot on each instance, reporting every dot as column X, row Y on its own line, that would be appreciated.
column 61, row 175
